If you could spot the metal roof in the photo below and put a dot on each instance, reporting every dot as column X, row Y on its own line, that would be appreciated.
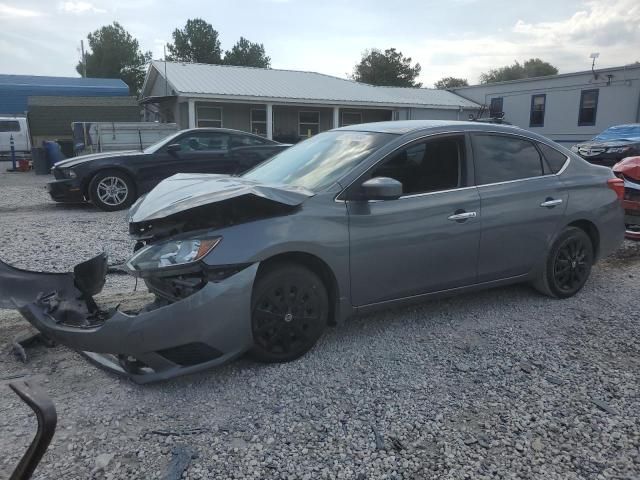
column 65, row 82
column 247, row 83
column 16, row 89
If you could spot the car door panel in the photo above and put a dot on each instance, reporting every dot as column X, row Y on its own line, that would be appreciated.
column 521, row 206
column 428, row 239
column 516, row 228
column 416, row 247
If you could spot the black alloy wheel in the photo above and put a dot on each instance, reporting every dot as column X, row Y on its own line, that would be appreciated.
column 568, row 264
column 289, row 313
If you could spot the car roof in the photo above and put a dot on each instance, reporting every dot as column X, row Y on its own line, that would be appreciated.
column 402, row 127
column 220, row 130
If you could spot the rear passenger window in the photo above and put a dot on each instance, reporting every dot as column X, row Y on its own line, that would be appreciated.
column 427, row 166
column 9, row 126
column 554, row 158
column 501, row 158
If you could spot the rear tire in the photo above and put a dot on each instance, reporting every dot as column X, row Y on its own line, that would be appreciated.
column 568, row 265
column 112, row 190
column 289, row 312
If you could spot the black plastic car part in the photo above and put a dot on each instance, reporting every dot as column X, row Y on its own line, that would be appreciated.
column 45, row 411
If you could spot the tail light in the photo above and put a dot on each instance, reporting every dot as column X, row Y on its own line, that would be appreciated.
column 617, row 185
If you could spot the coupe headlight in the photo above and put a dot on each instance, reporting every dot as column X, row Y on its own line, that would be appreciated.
column 71, row 174
column 172, row 253
column 617, row 149
column 575, row 149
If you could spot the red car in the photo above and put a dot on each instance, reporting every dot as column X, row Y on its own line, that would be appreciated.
column 628, row 169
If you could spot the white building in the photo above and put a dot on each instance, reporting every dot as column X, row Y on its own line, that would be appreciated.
column 568, row 108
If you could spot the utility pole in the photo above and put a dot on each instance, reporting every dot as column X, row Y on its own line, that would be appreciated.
column 84, row 60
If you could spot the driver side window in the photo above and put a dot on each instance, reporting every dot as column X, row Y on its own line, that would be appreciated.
column 426, row 166
column 204, row 142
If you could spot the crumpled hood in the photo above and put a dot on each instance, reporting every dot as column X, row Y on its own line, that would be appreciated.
column 186, row 191
column 72, row 162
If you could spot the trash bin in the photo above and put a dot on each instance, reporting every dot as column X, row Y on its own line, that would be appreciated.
column 52, row 152
column 40, row 163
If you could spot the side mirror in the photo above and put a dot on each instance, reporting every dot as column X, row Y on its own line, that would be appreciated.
column 174, row 148
column 381, row 188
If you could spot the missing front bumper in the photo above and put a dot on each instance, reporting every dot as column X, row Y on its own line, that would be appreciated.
column 160, row 341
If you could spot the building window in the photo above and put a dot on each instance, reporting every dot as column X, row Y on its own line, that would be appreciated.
column 259, row 121
column 538, row 103
column 495, row 107
column 308, row 123
column 351, row 118
column 588, row 107
column 208, row 116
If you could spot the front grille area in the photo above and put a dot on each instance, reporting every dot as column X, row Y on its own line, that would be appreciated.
column 591, row 152
column 57, row 174
column 190, row 354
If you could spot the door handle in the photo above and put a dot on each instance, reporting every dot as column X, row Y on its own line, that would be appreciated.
column 550, row 202
column 462, row 216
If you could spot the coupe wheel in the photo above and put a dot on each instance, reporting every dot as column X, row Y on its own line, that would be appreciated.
column 568, row 265
column 111, row 190
column 289, row 312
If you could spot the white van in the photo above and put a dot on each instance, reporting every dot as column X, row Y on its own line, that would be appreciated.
column 17, row 128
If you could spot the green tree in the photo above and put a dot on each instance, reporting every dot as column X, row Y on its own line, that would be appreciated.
column 114, row 53
column 247, row 54
column 534, row 67
column 197, row 42
column 450, row 82
column 390, row 68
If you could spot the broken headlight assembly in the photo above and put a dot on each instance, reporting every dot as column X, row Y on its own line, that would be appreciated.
column 171, row 255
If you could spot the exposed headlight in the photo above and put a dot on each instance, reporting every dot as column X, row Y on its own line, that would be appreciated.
column 71, row 174
column 617, row 149
column 575, row 149
column 172, row 253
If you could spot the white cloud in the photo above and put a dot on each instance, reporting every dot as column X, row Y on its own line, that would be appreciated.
column 8, row 11
column 79, row 7
column 610, row 27
column 603, row 24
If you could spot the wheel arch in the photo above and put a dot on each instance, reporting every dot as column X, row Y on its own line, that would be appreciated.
column 317, row 266
column 592, row 231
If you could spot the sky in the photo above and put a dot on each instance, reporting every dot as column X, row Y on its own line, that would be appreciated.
column 460, row 38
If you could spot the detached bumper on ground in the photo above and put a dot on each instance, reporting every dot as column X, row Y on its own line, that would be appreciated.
column 162, row 340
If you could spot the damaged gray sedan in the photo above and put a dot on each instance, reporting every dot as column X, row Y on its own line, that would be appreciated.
column 351, row 220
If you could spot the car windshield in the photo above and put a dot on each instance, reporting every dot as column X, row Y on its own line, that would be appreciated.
column 319, row 161
column 620, row 132
column 158, row 145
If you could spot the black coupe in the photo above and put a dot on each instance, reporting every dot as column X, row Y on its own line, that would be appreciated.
column 113, row 180
column 612, row 145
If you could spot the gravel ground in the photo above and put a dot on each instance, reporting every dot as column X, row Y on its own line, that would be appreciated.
column 498, row 384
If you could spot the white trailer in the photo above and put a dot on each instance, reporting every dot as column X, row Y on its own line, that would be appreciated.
column 95, row 137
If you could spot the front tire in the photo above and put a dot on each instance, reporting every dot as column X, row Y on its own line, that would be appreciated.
column 568, row 264
column 289, row 312
column 112, row 190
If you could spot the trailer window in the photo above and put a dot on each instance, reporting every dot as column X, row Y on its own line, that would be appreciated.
column 9, row 126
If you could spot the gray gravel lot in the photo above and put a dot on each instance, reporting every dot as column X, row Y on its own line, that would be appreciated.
column 499, row 384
